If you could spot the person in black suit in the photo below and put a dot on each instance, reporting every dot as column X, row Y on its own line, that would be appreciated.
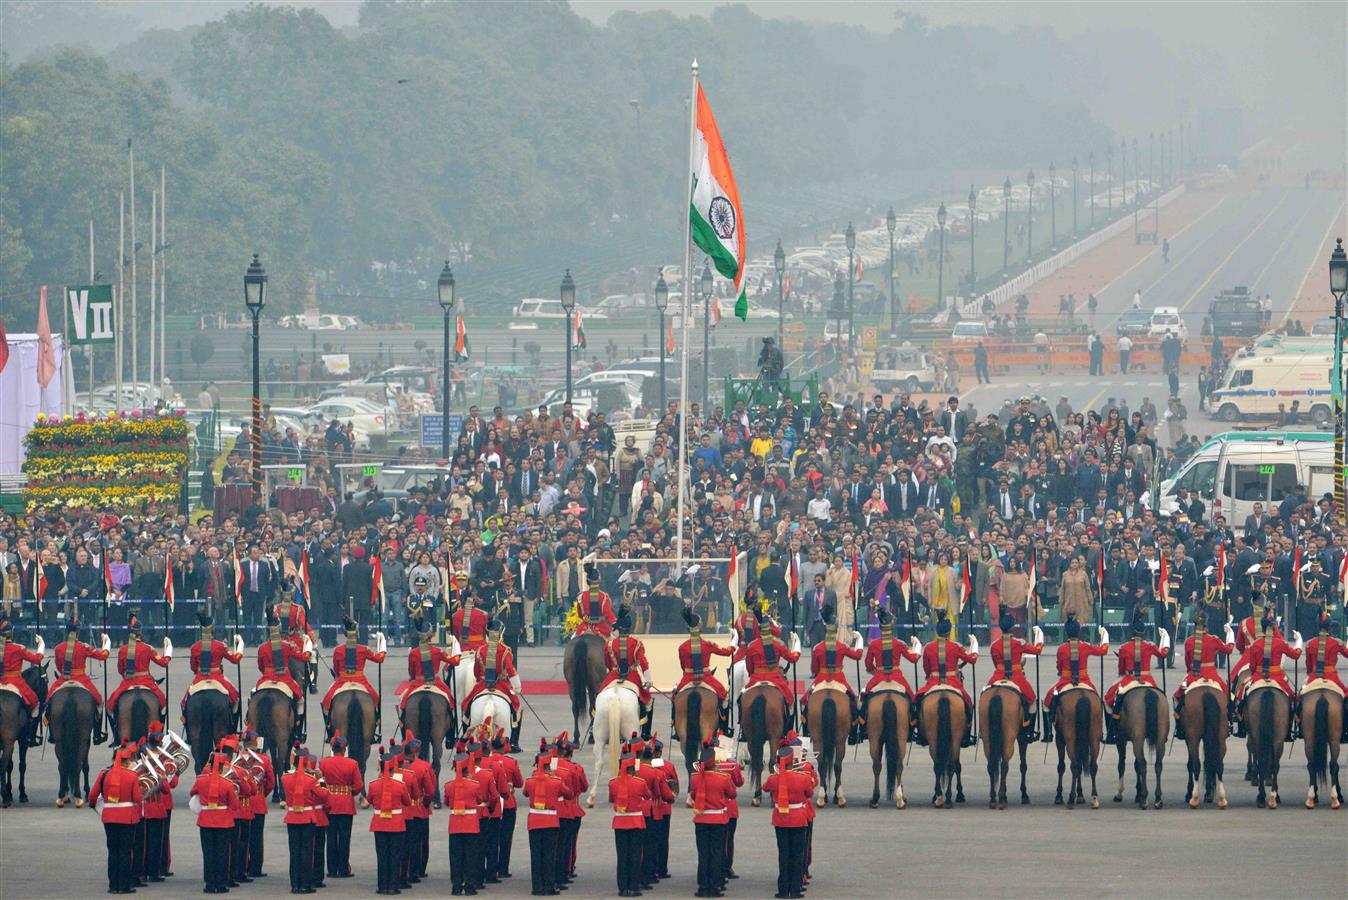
column 906, row 500
column 1242, row 605
column 955, row 420
column 259, row 583
column 1254, row 522
column 934, row 495
column 324, row 593
column 357, row 587
column 1138, row 587
column 818, row 598
column 528, row 572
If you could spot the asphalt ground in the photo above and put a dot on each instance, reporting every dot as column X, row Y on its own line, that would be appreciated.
column 1040, row 850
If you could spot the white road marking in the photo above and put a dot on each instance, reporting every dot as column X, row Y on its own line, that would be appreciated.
column 1234, row 250
column 1315, row 260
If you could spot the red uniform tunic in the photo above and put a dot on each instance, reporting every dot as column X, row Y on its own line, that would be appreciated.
column 219, row 798
column 670, row 773
column 712, row 792
column 295, row 621
column 1322, row 658
column 695, row 660
column 135, row 671
column 624, row 656
column 419, row 772
column 941, row 662
column 12, row 672
column 1008, row 654
column 490, row 805
column 826, row 664
column 470, row 628
column 1135, row 656
column 273, row 661
column 595, row 610
column 1264, row 660
column 1200, row 660
column 304, row 797
column 70, row 659
column 546, row 794
column 657, row 788
column 342, row 775
column 508, row 777
column 493, row 667
column 577, row 783
column 120, row 790
column 247, row 791
column 747, row 628
column 389, row 799
column 790, row 790
column 1249, row 632
column 422, row 671
column 762, row 659
column 348, row 663
column 884, row 661
column 631, row 799
column 1073, row 658
column 463, row 799
column 733, row 771
column 157, row 805
column 265, row 785
column 208, row 660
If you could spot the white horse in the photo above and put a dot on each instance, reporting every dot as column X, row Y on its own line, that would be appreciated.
column 617, row 713
column 463, row 672
column 491, row 707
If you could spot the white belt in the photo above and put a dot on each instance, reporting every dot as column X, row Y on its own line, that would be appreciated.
column 792, row 806
column 616, row 814
column 300, row 809
column 463, row 812
column 118, row 805
column 542, row 812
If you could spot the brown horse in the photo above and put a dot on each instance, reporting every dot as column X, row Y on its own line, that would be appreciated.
column 1321, row 731
column 15, row 723
column 695, row 716
column 271, row 713
column 584, row 670
column 135, row 710
column 71, row 715
column 763, row 711
column 1267, row 711
column 1144, row 724
column 352, row 714
column 944, row 721
column 1079, row 724
column 207, row 717
column 429, row 717
column 828, row 713
column 888, row 720
column 1204, row 716
column 1001, row 711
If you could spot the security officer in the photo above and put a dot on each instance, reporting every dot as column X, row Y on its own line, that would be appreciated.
column 1313, row 592
column 117, row 796
column 420, row 603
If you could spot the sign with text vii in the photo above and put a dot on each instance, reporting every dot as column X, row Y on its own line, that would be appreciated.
column 90, row 307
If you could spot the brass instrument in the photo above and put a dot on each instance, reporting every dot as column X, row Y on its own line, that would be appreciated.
column 157, row 765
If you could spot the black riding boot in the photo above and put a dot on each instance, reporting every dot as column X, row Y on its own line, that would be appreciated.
column 313, row 678
column 32, row 735
column 917, row 736
column 1179, row 718
column 968, row 740
column 1047, row 716
column 515, row 737
column 1111, row 728
column 1027, row 725
column 301, row 730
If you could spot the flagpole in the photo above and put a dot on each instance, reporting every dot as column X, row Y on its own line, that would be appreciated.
column 154, row 280
column 683, row 353
column 118, row 335
column 131, row 187
column 161, row 250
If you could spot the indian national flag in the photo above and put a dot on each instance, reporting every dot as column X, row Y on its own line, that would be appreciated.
column 169, row 596
column 716, row 217
column 577, row 332
column 460, row 339
column 669, row 337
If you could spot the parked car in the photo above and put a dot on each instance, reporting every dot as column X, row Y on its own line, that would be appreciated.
column 967, row 332
column 1167, row 320
column 539, row 308
column 361, row 413
column 1134, row 322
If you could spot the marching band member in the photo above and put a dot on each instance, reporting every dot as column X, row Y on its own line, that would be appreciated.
column 625, row 657
column 1073, row 660
column 342, row 775
column 389, row 798
column 941, row 663
column 494, row 669
column 402, row 770
column 70, row 656
column 214, row 800
column 117, row 795
column 730, row 767
column 484, row 775
column 252, row 742
column 711, row 791
column 303, row 793
column 1008, row 653
column 630, row 797
column 321, row 822
column 464, row 796
column 790, row 790
column 207, row 660
column 651, row 760
column 546, row 792
column 418, row 771
column 243, row 814
column 801, row 763
column 156, row 812
column 657, row 788
column 1135, row 656
column 1200, row 663
column 508, row 779
column 695, row 661
column 348, row 665
column 594, row 607
column 133, row 664
column 571, row 813
column 14, row 655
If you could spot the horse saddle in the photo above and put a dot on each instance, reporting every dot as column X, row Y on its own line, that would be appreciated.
column 938, row 688
column 889, row 687
column 1202, row 683
column 1134, row 685
column 1321, row 684
column 826, row 686
column 421, row 687
column 274, row 685
column 207, row 684
column 70, row 683
column 1003, row 683
column 5, row 686
column 347, row 686
column 1255, row 684
column 626, row 685
column 1083, row 686
column 690, row 686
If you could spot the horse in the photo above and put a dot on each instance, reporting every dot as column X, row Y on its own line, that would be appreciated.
column 829, row 726
column 135, row 710
column 1321, row 731
column 271, row 713
column 72, row 714
column 1001, row 710
column 431, row 719
column 695, row 716
column 764, row 713
column 1204, row 717
column 1078, row 722
column 207, row 717
column 490, row 707
column 15, row 721
column 1143, row 724
column 352, row 714
column 888, row 721
column 617, row 713
column 1267, row 711
column 583, row 668
column 943, row 722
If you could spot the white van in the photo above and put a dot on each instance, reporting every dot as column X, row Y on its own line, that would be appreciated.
column 1235, row 469
column 1255, row 385
column 1166, row 320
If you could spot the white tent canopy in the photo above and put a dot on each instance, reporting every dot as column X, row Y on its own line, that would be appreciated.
column 21, row 398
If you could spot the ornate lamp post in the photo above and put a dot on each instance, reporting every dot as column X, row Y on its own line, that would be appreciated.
column 255, row 297
column 568, row 297
column 1338, row 286
column 444, row 293
column 851, row 237
column 940, row 258
column 661, row 304
column 891, row 222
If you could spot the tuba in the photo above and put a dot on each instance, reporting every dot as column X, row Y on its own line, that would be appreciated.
column 160, row 764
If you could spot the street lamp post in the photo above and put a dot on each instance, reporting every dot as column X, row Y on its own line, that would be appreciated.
column 891, row 222
column 779, row 264
column 707, row 301
column 444, row 292
column 1151, row 161
column 973, row 224
column 1109, row 178
column 1029, row 211
column 1123, row 174
column 568, row 297
column 661, row 304
column 1074, row 197
column 1338, row 286
column 1006, row 225
column 851, row 236
column 1053, row 206
column 255, row 297
column 1137, row 173
column 940, row 258
column 1090, row 162
column 838, row 305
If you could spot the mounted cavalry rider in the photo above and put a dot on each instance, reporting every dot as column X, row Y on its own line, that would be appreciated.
column 494, row 669
column 747, row 625
column 295, row 623
column 207, row 660
column 625, row 657
column 1322, row 655
column 425, row 662
column 1008, row 656
column 764, row 656
column 1135, row 656
column 14, row 656
column 1073, row 660
column 941, row 663
column 273, row 661
column 70, row 657
column 885, row 656
column 829, row 656
column 695, row 661
column 1264, row 658
column 469, row 625
column 1200, row 663
column 348, row 665
column 594, row 607
column 133, row 664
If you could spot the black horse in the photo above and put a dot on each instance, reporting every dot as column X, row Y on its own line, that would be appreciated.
column 16, row 723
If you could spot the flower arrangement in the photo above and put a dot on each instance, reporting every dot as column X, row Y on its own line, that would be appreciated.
column 120, row 462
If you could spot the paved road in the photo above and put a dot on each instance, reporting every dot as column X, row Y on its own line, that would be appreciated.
column 1266, row 239
column 1039, row 850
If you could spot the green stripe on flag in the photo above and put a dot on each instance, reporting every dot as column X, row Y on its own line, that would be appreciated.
column 705, row 238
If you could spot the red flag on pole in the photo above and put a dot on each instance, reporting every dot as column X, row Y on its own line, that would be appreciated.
column 4, row 347
column 168, row 582
column 669, row 338
column 966, row 589
column 238, row 577
column 377, row 592
column 46, row 350
column 304, row 577
column 1296, row 572
column 1221, row 565
column 907, row 583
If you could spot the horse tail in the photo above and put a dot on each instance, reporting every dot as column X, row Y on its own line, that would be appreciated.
column 828, row 741
column 692, row 724
column 758, row 730
column 423, row 726
column 943, row 733
column 889, row 734
column 355, row 733
column 205, row 729
column 1213, row 722
column 264, row 723
column 1320, row 740
column 1263, row 751
column 140, row 718
column 69, row 749
column 995, row 729
column 1081, row 740
column 1152, row 714
column 580, row 679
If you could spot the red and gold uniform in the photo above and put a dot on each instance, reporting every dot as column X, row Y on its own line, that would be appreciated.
column 493, row 668
column 826, row 664
column 763, row 658
column 11, row 670
column 295, row 622
column 343, row 778
column 790, row 790
column 941, row 662
column 695, row 660
column 1200, row 660
column 424, row 663
column 469, row 626
column 207, row 659
column 625, row 657
column 348, row 664
column 389, row 800
column 273, row 661
column 1073, row 659
column 595, row 610
column 71, row 657
column 749, row 631
column 1135, row 656
column 885, row 656
column 1323, row 653
column 218, row 799
column 1249, row 632
column 1264, row 659
column 1008, row 654
column 133, row 664
column 117, row 794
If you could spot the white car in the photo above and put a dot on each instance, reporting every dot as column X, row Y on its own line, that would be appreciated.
column 727, row 305
column 361, row 413
column 539, row 308
column 1167, row 320
column 967, row 332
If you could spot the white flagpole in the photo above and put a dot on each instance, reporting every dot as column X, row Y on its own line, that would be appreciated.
column 131, row 187
column 154, row 282
column 683, row 351
column 163, row 275
column 118, row 334
column 89, row 349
